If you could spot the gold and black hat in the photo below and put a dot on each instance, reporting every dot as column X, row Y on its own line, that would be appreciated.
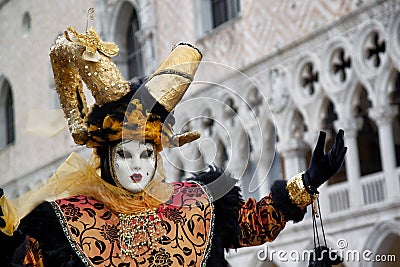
column 123, row 110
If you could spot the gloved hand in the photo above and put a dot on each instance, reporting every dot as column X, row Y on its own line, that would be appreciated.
column 324, row 166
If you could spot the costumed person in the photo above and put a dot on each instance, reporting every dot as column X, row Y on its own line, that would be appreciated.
column 115, row 209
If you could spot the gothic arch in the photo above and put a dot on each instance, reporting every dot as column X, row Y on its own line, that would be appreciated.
column 314, row 119
column 367, row 137
column 118, row 11
column 383, row 233
column 384, row 86
column 394, row 40
column 353, row 99
column 295, row 125
column 126, row 23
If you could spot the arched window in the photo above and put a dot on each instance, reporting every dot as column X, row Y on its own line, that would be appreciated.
column 135, row 68
column 126, row 36
column 7, row 127
column 368, row 138
column 396, row 122
column 328, row 125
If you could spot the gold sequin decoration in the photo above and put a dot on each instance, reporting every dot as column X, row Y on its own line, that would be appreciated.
column 298, row 193
column 102, row 78
column 91, row 40
column 139, row 232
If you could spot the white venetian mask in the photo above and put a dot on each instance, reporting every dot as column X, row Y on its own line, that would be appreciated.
column 134, row 164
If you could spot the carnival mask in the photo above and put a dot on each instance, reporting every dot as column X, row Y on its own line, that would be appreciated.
column 134, row 164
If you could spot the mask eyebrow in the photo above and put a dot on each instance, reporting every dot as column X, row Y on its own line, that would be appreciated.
column 146, row 146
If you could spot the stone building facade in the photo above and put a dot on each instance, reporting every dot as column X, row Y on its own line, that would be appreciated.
column 274, row 74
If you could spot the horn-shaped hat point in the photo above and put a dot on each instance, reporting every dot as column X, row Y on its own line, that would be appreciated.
column 170, row 81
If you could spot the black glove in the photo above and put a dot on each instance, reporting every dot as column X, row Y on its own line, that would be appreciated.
column 2, row 222
column 324, row 166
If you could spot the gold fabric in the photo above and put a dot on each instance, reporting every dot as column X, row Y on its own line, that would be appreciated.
column 78, row 177
column 102, row 78
column 10, row 216
column 170, row 81
column 298, row 193
column 92, row 42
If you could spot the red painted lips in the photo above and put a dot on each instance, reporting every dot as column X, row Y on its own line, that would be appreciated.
column 136, row 177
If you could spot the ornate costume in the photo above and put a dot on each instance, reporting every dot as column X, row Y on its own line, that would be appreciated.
column 85, row 216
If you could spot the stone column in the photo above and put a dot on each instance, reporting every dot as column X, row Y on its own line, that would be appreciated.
column 294, row 154
column 350, row 128
column 264, row 161
column 146, row 35
column 383, row 116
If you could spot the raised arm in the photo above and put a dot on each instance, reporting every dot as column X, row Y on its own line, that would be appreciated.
column 262, row 221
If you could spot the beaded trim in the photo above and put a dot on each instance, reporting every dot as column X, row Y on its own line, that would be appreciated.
column 75, row 247
column 137, row 231
column 188, row 44
column 207, row 251
column 298, row 193
column 174, row 72
column 128, row 218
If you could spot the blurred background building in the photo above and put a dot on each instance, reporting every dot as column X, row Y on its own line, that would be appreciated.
column 274, row 74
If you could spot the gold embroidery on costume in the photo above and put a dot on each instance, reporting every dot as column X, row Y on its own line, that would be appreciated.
column 259, row 222
column 184, row 223
column 33, row 257
column 138, row 231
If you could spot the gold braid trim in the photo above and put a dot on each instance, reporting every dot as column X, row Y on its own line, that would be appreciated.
column 297, row 192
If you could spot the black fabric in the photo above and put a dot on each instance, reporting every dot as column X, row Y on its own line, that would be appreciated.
column 118, row 108
column 324, row 257
column 43, row 225
column 280, row 197
column 226, row 208
column 151, row 104
column 103, row 152
column 9, row 245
